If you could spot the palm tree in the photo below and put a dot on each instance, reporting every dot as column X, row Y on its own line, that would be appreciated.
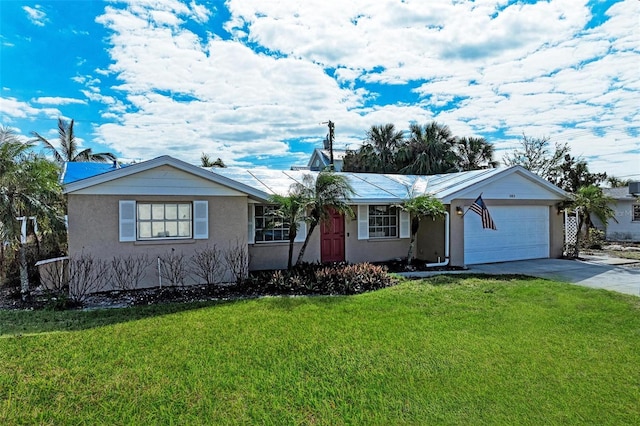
column 28, row 188
column 615, row 182
column 474, row 154
column 327, row 192
column 419, row 207
column 205, row 161
column 68, row 151
column 365, row 160
column 430, row 150
column 386, row 140
column 291, row 211
column 590, row 200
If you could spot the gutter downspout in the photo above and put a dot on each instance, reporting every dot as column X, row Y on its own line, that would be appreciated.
column 445, row 262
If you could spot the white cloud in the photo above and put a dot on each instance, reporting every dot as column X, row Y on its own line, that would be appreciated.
column 36, row 15
column 504, row 68
column 48, row 100
column 11, row 109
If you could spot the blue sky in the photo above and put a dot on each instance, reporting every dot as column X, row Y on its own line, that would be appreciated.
column 252, row 81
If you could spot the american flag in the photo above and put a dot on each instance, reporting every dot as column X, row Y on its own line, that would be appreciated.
column 480, row 207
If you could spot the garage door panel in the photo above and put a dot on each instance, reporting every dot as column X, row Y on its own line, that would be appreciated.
column 522, row 233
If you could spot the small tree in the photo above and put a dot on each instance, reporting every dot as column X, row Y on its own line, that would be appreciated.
column 326, row 193
column 419, row 207
column 591, row 200
column 291, row 211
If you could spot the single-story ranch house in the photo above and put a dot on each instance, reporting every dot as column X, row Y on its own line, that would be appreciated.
column 625, row 225
column 165, row 204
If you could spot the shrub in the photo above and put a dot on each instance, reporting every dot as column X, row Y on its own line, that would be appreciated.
column 87, row 275
column 237, row 258
column 209, row 265
column 129, row 271
column 173, row 268
column 352, row 279
column 322, row 279
column 593, row 239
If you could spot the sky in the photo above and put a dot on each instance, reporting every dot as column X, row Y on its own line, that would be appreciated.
column 254, row 82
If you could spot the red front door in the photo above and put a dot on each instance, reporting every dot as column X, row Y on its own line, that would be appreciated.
column 332, row 239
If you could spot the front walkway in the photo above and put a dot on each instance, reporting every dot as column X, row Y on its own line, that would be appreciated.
column 615, row 274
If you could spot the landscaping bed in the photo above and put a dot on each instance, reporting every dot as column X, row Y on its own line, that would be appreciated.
column 307, row 279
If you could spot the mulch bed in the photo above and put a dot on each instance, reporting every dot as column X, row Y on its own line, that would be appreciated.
column 10, row 297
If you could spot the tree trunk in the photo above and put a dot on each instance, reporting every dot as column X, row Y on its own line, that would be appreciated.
column 411, row 246
column 24, row 275
column 292, row 238
column 306, row 242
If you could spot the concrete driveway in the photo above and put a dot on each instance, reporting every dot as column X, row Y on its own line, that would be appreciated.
column 615, row 274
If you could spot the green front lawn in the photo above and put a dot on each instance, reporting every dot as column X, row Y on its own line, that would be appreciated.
column 451, row 349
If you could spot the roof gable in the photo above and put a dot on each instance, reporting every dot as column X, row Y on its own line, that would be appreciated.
column 513, row 183
column 162, row 175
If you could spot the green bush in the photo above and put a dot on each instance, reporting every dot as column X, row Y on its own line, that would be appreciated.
column 593, row 240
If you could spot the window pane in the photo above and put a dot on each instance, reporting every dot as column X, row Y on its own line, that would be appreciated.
column 157, row 229
column 171, row 229
column 157, row 211
column 184, row 229
column 144, row 230
column 184, row 211
column 171, row 212
column 144, row 211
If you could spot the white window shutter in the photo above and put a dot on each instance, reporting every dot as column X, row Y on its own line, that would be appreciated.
column 127, row 220
column 251, row 224
column 405, row 224
column 302, row 232
column 363, row 222
column 200, row 220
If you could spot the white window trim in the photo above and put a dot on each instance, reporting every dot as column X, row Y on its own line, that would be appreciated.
column 128, row 222
column 404, row 225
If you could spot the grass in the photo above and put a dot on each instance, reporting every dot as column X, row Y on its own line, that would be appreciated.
column 450, row 349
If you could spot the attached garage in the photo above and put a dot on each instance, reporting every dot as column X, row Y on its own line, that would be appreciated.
column 524, row 208
column 522, row 233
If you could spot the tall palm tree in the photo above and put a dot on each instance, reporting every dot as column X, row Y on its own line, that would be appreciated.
column 28, row 188
column 430, row 150
column 386, row 140
column 68, row 151
column 327, row 192
column 475, row 154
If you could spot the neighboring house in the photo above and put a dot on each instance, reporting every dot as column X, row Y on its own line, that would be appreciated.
column 165, row 205
column 626, row 224
column 321, row 159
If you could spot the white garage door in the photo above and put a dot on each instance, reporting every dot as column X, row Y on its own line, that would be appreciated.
column 523, row 233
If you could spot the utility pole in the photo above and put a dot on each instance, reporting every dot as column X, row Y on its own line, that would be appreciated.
column 332, row 127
